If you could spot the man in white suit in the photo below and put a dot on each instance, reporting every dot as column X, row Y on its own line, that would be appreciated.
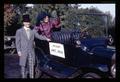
column 25, row 46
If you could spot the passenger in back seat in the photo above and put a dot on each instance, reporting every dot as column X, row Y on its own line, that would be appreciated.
column 45, row 23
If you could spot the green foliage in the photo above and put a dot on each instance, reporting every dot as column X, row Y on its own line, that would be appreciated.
column 69, row 15
column 9, row 15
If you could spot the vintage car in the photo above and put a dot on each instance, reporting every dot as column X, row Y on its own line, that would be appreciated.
column 68, row 55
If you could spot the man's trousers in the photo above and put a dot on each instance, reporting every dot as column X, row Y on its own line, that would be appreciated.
column 28, row 68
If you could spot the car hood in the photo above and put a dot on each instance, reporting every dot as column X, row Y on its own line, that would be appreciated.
column 92, row 42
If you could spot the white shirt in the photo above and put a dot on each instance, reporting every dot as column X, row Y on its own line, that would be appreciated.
column 26, row 28
column 27, row 31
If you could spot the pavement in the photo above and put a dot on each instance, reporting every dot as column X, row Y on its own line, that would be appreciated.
column 12, row 68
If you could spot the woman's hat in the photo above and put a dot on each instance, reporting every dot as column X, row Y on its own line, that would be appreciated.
column 41, row 16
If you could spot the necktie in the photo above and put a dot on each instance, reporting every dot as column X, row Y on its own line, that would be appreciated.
column 28, row 33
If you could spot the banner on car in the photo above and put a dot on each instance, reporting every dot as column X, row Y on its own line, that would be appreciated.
column 57, row 49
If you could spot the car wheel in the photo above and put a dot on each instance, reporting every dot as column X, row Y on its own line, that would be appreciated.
column 91, row 75
column 38, row 73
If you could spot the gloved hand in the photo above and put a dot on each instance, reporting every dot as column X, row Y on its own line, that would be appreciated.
column 48, row 40
column 54, row 14
column 19, row 53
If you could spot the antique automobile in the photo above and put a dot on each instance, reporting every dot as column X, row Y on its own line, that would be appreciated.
column 69, row 55
column 9, row 44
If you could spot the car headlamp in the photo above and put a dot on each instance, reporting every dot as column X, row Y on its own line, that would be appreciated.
column 110, row 40
column 113, row 66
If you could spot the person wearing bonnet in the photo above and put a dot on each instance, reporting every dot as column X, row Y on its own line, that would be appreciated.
column 46, row 22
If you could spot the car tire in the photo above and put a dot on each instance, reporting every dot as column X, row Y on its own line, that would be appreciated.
column 91, row 75
column 38, row 73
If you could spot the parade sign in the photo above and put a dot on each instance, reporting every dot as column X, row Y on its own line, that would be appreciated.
column 57, row 49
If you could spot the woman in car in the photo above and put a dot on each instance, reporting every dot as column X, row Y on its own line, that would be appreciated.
column 45, row 23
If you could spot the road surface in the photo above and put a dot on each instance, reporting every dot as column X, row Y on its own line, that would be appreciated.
column 12, row 68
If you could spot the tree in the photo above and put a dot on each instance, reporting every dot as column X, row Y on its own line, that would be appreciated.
column 11, row 18
column 8, row 14
column 69, row 15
